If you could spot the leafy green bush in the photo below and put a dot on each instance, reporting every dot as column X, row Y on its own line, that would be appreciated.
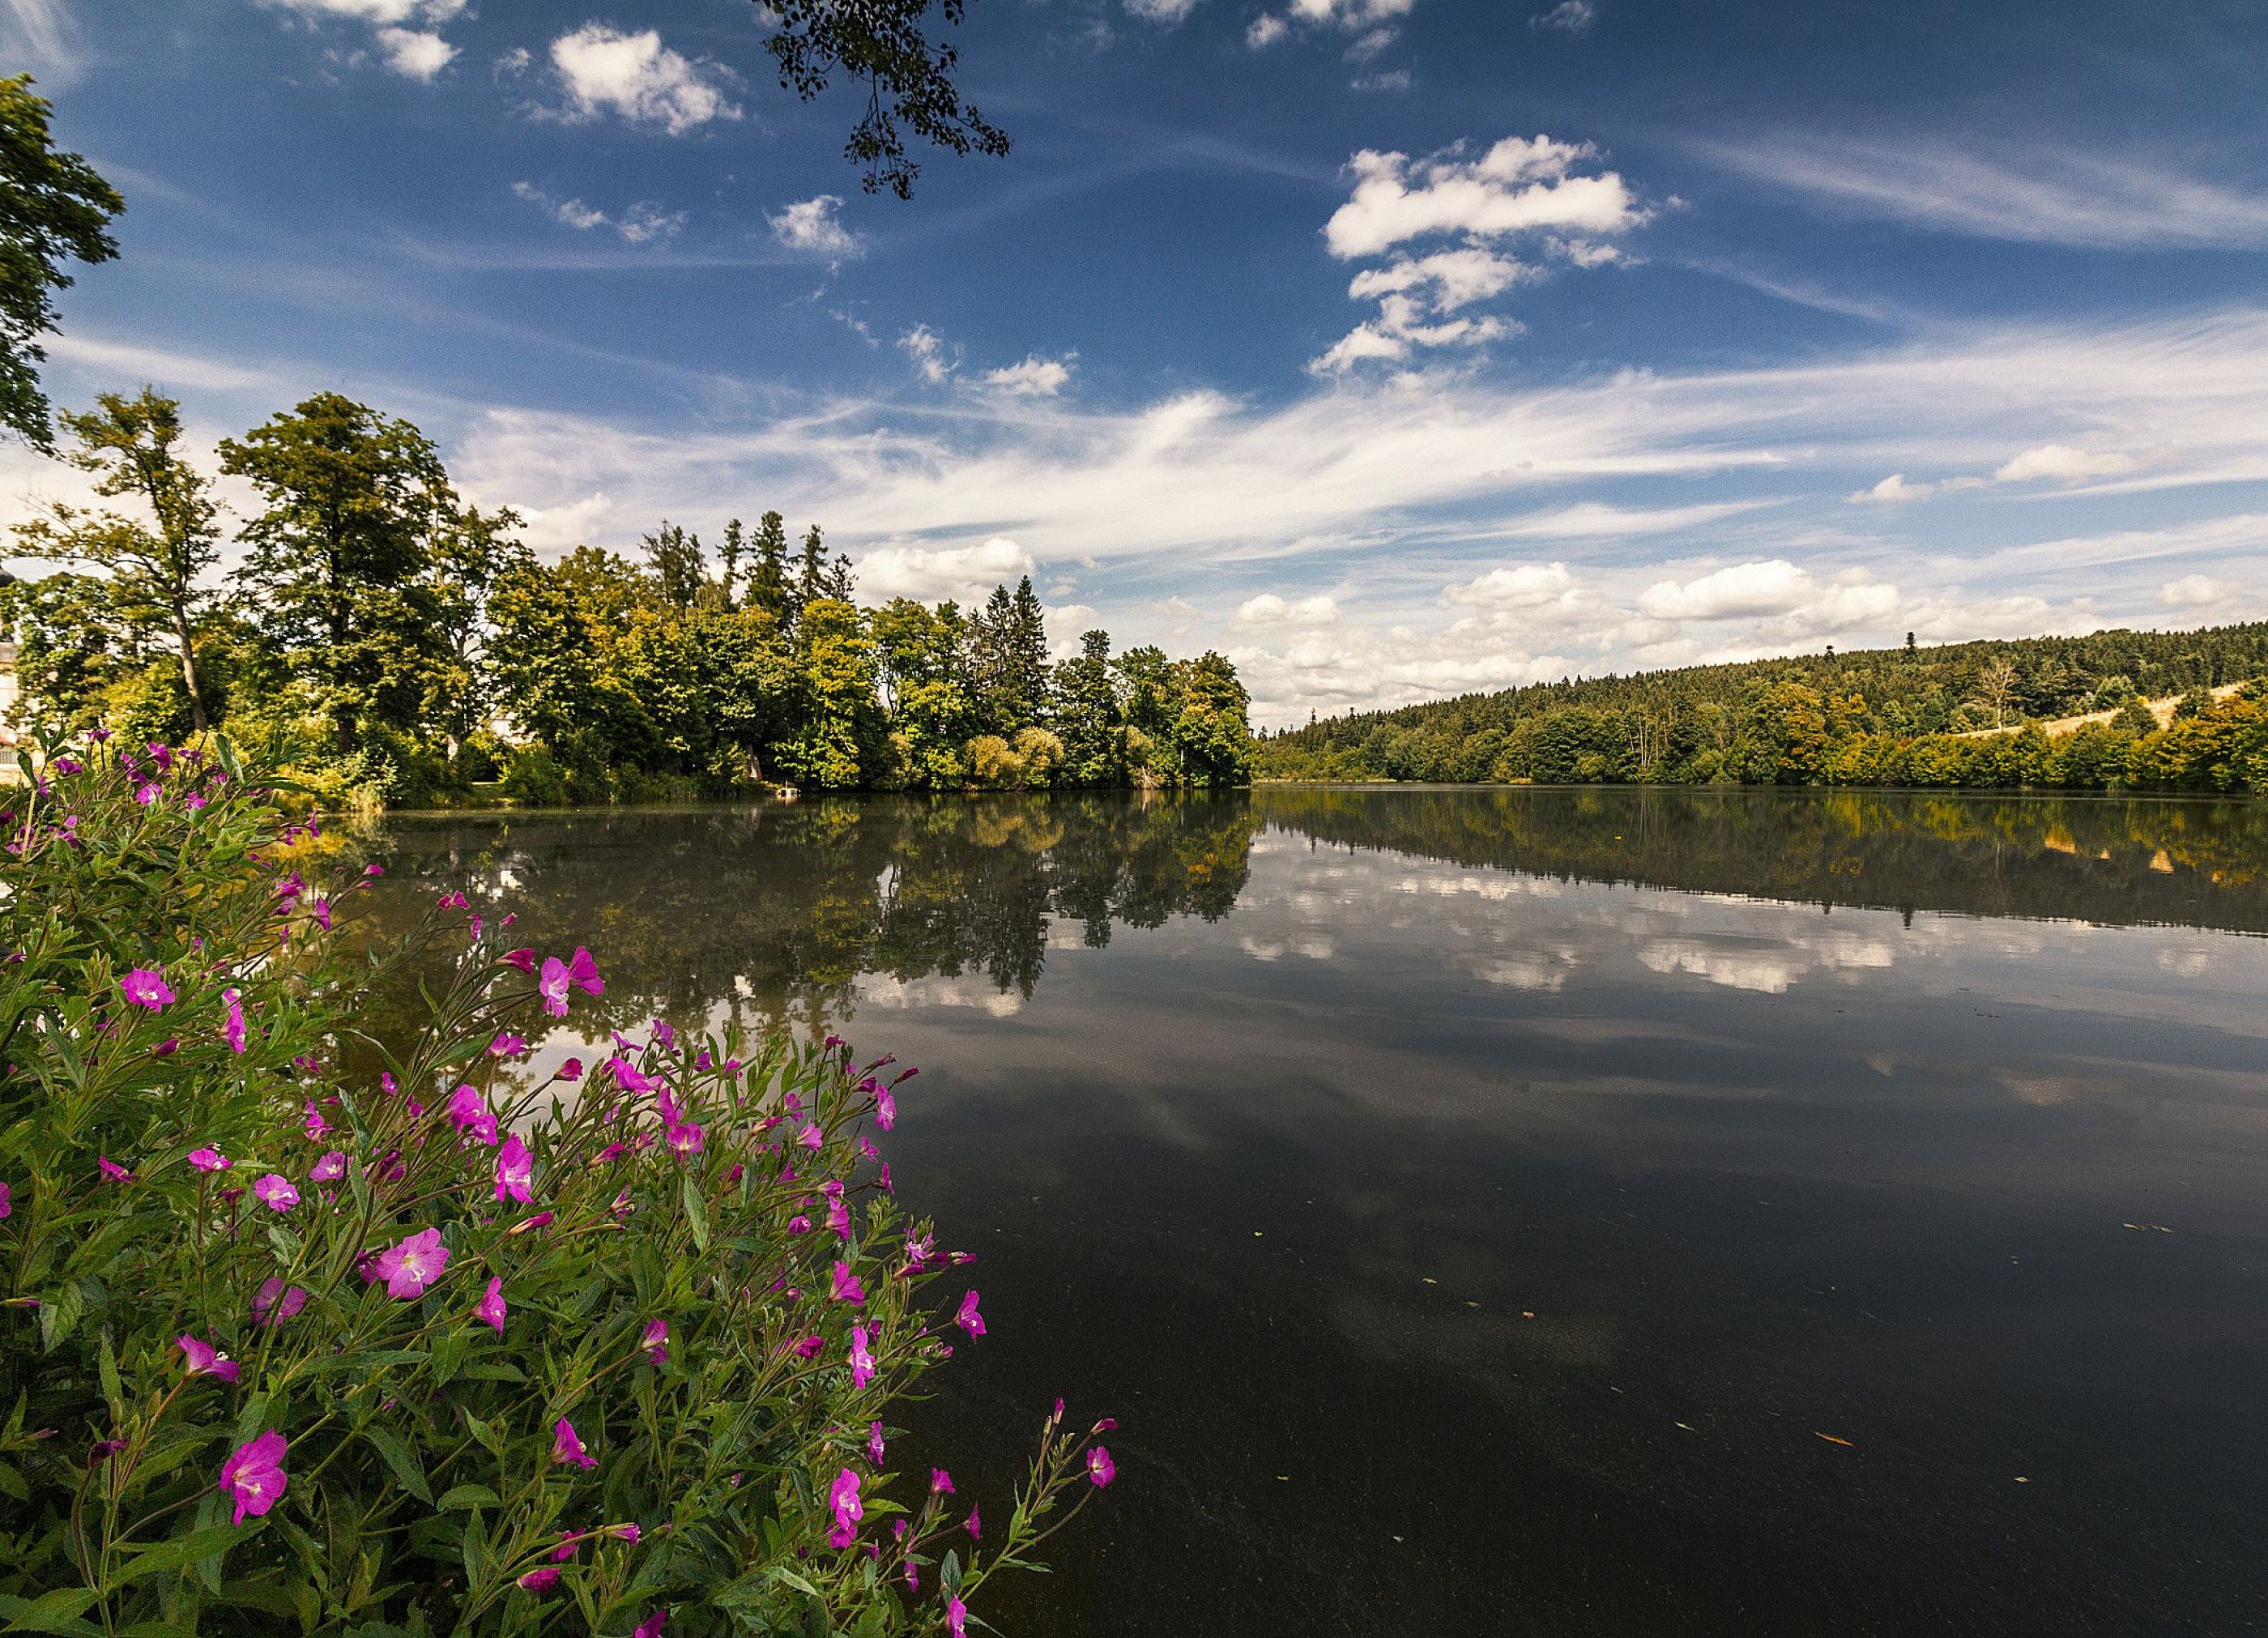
column 432, row 1348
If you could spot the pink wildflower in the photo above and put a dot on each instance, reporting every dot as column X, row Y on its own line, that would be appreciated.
column 976, row 1525
column 314, row 1125
column 571, row 1070
column 1099, row 1468
column 956, row 1616
column 843, row 1286
column 875, row 1448
column 112, row 1169
column 515, row 1170
column 862, row 1358
column 206, row 1361
column 885, row 1108
column 209, row 1159
column 272, row 1305
column 253, row 1477
column 566, row 1447
column 468, row 1111
column 329, row 1167
column 232, row 1031
column 969, row 1319
column 539, row 1580
column 146, row 987
column 651, row 1627
column 842, row 1497
column 410, row 1266
column 276, row 1192
column 810, row 1348
column 525, row 960
column 940, row 1482
column 506, row 1045
column 656, row 1341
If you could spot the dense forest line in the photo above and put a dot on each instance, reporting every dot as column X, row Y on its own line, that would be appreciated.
column 385, row 642
column 1966, row 714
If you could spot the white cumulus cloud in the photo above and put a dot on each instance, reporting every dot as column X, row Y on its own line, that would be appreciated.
column 1035, row 378
column 927, row 347
column 1552, row 192
column 604, row 71
column 406, row 32
column 2192, row 591
column 1892, row 489
column 2062, row 463
column 815, row 226
column 1515, row 586
column 966, row 575
column 1268, row 609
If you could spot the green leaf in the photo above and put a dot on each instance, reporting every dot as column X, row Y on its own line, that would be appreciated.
column 476, row 1549
column 182, row 1550
column 469, row 1496
column 107, row 1363
column 780, row 1572
column 948, row 1574
column 403, row 1460
column 56, row 1611
column 697, row 1211
column 59, row 1315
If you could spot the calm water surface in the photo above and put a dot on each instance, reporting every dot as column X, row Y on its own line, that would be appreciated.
column 1539, row 1211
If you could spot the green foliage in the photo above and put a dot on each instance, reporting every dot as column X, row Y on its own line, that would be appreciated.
column 54, row 209
column 380, row 627
column 531, row 1356
column 909, row 81
column 150, row 570
column 354, row 500
column 1892, row 717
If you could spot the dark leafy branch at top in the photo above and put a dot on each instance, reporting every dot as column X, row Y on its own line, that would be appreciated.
column 909, row 80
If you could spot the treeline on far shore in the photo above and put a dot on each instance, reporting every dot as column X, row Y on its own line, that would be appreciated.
column 1968, row 715
column 385, row 643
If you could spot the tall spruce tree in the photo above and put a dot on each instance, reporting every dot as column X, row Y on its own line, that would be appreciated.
column 679, row 569
column 768, row 576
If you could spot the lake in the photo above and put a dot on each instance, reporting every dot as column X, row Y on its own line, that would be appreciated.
column 1537, row 1211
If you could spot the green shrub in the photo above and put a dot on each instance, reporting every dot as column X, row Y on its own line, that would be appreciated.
column 431, row 1346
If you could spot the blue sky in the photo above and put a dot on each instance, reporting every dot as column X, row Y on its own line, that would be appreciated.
column 1397, row 347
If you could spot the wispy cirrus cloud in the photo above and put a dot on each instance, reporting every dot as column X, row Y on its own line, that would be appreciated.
column 2065, row 196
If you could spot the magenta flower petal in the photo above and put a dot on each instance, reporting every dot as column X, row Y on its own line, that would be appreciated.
column 567, row 1446
column 209, row 1159
column 490, row 1309
column 468, row 1111
column 1099, row 1468
column 843, row 1286
column 651, row 1627
column 146, row 987
column 232, row 1030
column 411, row 1265
column 969, row 1319
column 253, row 1477
column 842, row 1497
column 206, row 1361
column 276, row 1192
column 539, row 1580
column 330, row 1168
column 515, row 1170
column 956, row 1616
column 862, row 1358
